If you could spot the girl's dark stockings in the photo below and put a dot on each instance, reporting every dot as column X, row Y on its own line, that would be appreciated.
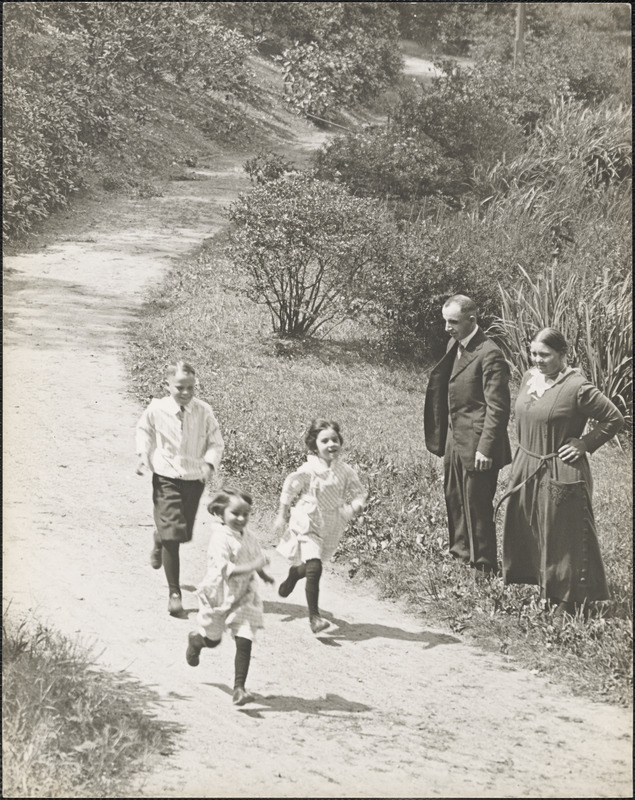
column 241, row 662
column 313, row 574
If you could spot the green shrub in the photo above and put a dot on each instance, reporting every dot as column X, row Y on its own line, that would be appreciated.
column 378, row 162
column 430, row 259
column 346, row 56
column 266, row 166
column 306, row 247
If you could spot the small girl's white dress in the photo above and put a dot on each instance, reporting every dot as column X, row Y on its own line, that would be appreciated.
column 319, row 518
column 227, row 601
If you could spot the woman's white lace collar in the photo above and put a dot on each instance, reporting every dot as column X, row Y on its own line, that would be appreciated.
column 539, row 383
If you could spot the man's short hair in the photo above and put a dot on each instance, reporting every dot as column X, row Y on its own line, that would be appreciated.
column 465, row 303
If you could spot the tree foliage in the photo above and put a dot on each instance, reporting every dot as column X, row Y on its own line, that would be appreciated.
column 344, row 56
column 306, row 247
column 74, row 74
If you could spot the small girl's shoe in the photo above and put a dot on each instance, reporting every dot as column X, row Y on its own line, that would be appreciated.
column 195, row 644
column 242, row 696
column 318, row 624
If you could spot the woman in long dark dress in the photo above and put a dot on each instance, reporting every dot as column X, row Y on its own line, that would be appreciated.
column 549, row 535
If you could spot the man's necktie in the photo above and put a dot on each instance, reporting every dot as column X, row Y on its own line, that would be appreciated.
column 181, row 415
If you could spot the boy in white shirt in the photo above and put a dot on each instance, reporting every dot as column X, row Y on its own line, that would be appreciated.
column 178, row 439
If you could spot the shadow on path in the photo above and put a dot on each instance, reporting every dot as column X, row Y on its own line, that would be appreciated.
column 287, row 703
column 358, row 631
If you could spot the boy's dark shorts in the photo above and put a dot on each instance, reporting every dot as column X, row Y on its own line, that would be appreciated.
column 175, row 506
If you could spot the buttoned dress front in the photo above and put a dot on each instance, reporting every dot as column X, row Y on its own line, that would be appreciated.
column 228, row 601
column 319, row 518
column 549, row 533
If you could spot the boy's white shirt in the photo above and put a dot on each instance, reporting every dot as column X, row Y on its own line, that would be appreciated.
column 179, row 451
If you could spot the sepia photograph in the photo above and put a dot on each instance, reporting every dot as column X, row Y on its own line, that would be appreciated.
column 317, row 400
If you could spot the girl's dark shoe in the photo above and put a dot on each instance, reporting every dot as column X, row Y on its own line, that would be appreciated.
column 195, row 644
column 318, row 624
column 242, row 696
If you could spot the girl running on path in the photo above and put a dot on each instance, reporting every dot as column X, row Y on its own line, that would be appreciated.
column 228, row 595
column 329, row 495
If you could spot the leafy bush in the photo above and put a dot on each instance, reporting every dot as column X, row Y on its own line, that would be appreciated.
column 345, row 56
column 428, row 260
column 379, row 162
column 267, row 166
column 306, row 247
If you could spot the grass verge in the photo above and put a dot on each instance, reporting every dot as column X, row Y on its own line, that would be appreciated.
column 68, row 728
column 265, row 390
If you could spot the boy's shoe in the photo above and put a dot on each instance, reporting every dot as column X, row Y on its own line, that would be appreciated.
column 195, row 644
column 318, row 624
column 242, row 696
column 288, row 584
column 175, row 606
column 156, row 557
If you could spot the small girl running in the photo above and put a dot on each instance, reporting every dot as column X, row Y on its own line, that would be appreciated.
column 228, row 595
column 330, row 495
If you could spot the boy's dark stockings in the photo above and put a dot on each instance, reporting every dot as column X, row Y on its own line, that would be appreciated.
column 313, row 574
column 172, row 565
column 241, row 662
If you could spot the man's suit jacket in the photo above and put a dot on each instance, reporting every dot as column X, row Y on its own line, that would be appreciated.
column 473, row 393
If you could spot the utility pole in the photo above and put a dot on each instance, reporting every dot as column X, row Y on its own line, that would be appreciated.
column 519, row 41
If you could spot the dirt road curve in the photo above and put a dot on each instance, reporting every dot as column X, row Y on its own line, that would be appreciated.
column 383, row 706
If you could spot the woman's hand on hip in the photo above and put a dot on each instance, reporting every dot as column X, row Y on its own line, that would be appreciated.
column 571, row 451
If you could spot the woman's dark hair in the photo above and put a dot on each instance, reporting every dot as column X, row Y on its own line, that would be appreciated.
column 313, row 432
column 553, row 339
column 222, row 499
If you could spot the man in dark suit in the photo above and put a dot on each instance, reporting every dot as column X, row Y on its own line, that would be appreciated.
column 466, row 413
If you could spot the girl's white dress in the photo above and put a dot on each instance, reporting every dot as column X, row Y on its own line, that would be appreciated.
column 319, row 518
column 227, row 601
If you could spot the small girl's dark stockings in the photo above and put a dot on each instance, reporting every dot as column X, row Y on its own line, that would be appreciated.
column 313, row 574
column 241, row 662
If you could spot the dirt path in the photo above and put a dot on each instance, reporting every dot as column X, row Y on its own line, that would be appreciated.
column 383, row 706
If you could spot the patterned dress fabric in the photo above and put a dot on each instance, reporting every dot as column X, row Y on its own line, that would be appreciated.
column 228, row 601
column 549, row 533
column 320, row 516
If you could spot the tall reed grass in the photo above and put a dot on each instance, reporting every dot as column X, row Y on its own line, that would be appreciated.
column 595, row 319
